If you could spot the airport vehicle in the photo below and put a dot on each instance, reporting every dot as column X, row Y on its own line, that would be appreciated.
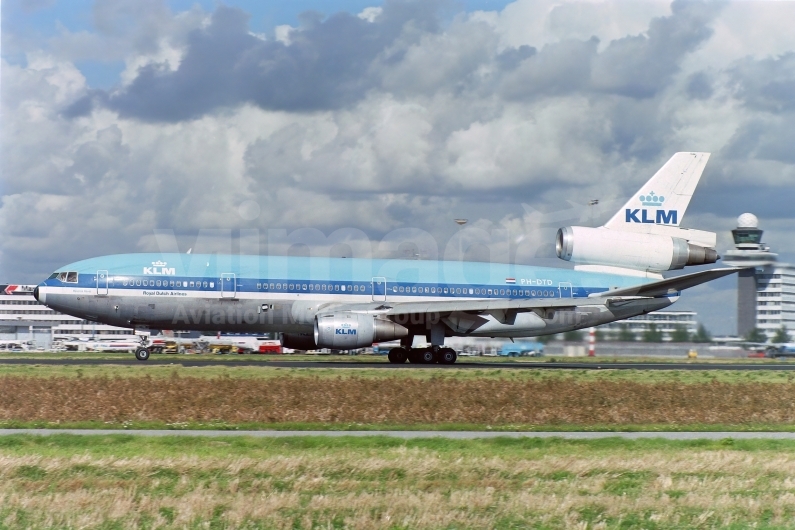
column 348, row 304
column 772, row 351
column 17, row 345
column 520, row 349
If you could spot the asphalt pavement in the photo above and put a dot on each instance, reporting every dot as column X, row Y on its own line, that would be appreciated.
column 607, row 365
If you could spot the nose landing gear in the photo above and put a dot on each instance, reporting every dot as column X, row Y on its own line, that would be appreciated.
column 142, row 354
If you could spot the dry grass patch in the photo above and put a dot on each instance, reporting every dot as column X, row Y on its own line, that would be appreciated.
column 391, row 400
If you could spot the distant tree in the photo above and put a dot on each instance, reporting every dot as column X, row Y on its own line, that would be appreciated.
column 543, row 339
column 652, row 334
column 574, row 336
column 756, row 335
column 782, row 336
column 680, row 334
column 702, row 334
column 625, row 334
column 601, row 336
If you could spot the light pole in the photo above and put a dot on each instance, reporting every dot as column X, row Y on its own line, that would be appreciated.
column 460, row 223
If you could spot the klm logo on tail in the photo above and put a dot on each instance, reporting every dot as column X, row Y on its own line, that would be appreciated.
column 663, row 217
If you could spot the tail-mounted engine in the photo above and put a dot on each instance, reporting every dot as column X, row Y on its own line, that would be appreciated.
column 631, row 250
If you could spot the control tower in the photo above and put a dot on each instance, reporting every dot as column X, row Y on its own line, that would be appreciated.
column 754, row 282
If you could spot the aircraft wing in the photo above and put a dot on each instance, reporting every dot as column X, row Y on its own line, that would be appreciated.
column 671, row 285
column 664, row 287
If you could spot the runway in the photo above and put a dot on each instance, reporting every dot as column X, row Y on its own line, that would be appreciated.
column 607, row 365
column 407, row 435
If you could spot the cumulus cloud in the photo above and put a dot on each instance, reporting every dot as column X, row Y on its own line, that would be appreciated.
column 388, row 124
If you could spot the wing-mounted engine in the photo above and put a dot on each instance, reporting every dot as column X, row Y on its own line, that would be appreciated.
column 346, row 331
column 631, row 250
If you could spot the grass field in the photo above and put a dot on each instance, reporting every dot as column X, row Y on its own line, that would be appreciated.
column 254, row 398
column 132, row 482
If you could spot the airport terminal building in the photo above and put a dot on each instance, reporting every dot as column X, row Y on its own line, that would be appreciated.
column 24, row 321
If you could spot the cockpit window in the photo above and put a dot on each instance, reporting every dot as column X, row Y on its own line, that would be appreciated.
column 66, row 277
column 53, row 276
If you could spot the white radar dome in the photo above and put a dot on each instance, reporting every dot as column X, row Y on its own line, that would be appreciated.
column 747, row 220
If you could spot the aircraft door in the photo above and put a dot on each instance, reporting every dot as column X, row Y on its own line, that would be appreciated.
column 565, row 290
column 379, row 289
column 228, row 285
column 102, row 283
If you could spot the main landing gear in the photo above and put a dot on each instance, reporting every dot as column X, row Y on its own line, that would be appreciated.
column 431, row 355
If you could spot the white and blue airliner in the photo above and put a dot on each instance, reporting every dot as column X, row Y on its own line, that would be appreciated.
column 352, row 303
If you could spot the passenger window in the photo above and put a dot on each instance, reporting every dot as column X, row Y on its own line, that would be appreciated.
column 278, row 286
column 158, row 283
column 204, row 284
column 138, row 283
column 259, row 286
column 124, row 283
column 336, row 287
column 212, row 285
column 191, row 284
column 184, row 284
column 303, row 287
column 445, row 290
column 271, row 286
column 458, row 290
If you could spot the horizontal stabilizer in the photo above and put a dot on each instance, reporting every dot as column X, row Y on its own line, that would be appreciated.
column 671, row 285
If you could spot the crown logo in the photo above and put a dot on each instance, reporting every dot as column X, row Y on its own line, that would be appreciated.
column 159, row 264
column 651, row 199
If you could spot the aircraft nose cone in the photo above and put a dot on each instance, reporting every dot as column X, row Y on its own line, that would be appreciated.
column 39, row 296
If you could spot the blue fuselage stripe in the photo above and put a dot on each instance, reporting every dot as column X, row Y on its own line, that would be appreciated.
column 292, row 286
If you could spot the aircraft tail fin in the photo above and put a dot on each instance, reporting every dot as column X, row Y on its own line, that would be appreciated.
column 663, row 200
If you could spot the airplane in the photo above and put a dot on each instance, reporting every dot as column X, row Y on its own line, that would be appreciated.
column 350, row 303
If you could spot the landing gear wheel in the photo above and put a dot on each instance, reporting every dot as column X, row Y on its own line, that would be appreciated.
column 447, row 356
column 398, row 355
column 427, row 356
column 413, row 356
column 142, row 354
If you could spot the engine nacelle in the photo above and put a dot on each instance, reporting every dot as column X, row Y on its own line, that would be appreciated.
column 629, row 250
column 298, row 341
column 345, row 331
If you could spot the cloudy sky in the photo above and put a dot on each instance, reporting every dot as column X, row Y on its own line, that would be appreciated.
column 138, row 125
